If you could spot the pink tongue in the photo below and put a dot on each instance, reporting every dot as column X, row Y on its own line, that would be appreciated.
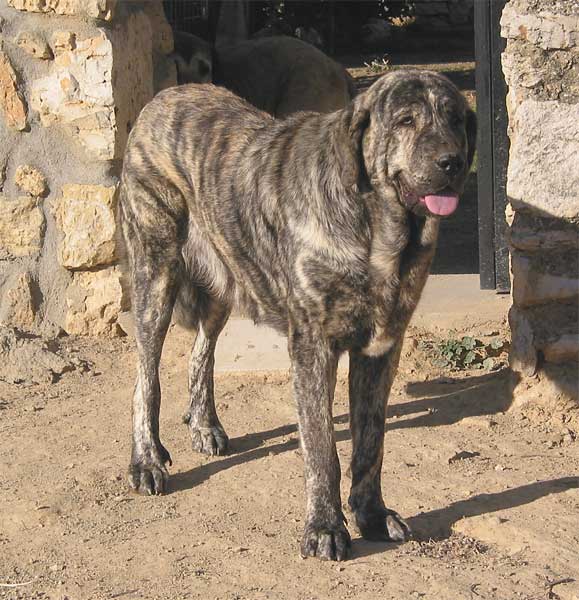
column 440, row 204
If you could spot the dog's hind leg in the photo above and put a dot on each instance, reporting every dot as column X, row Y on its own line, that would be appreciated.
column 151, row 232
column 370, row 380
column 207, row 433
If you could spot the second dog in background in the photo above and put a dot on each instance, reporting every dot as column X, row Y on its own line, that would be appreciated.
column 280, row 75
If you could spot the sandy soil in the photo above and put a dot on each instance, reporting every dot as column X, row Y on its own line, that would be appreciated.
column 493, row 498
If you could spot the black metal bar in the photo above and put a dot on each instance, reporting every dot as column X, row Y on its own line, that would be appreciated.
column 486, row 230
column 500, row 150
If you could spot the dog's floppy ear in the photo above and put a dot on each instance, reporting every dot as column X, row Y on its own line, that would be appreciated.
column 348, row 136
column 471, row 128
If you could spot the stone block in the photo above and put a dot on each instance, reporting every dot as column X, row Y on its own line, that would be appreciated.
column 34, row 44
column 98, row 88
column 96, row 9
column 21, row 227
column 93, row 303
column 542, row 172
column 85, row 216
column 79, row 93
column 562, row 349
column 549, row 30
column 532, row 286
column 533, row 240
column 531, row 71
column 18, row 304
column 63, row 41
column 11, row 99
column 30, row 180
column 523, row 356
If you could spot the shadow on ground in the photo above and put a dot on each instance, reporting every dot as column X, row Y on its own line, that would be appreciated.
column 437, row 524
column 442, row 402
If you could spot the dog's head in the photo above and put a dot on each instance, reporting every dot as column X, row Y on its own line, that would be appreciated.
column 411, row 131
column 193, row 58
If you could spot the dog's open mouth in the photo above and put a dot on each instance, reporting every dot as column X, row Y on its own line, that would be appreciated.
column 442, row 203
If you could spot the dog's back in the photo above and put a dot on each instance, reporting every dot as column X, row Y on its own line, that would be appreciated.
column 283, row 75
column 189, row 152
column 280, row 75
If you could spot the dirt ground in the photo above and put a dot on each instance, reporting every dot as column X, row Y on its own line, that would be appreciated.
column 493, row 498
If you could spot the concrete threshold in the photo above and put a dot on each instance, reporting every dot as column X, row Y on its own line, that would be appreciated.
column 448, row 302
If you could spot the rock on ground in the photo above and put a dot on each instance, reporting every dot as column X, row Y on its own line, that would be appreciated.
column 25, row 358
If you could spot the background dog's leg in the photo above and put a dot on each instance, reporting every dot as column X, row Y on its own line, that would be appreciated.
column 314, row 368
column 207, row 433
column 370, row 380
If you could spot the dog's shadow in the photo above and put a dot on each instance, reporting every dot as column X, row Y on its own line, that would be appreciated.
column 439, row 407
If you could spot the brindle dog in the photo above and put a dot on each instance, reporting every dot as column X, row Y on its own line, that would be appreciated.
column 323, row 226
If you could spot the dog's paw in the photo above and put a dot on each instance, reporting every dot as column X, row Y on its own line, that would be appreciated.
column 148, row 474
column 209, row 440
column 327, row 543
column 383, row 525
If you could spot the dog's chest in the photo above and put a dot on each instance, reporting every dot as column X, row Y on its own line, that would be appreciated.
column 342, row 299
column 355, row 299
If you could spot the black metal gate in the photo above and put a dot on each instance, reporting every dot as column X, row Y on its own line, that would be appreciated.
column 492, row 147
column 188, row 15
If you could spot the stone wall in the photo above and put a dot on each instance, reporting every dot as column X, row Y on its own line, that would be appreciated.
column 541, row 65
column 74, row 75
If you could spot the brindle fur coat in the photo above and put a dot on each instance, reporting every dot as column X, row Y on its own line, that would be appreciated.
column 312, row 225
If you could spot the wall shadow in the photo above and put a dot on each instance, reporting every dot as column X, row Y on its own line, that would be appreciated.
column 445, row 401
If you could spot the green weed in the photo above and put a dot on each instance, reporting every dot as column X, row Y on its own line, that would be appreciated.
column 465, row 353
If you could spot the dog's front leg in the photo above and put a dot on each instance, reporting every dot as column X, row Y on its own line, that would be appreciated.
column 370, row 380
column 314, row 367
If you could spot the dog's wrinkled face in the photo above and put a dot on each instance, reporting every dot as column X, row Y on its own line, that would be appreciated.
column 414, row 132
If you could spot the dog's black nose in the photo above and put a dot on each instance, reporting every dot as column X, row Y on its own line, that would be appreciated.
column 451, row 164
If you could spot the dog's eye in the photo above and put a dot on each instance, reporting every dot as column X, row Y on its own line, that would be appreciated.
column 407, row 120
